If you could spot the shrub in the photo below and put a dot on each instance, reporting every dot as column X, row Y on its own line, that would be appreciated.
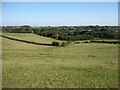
column 65, row 43
column 77, row 42
column 111, row 42
column 55, row 44
column 87, row 42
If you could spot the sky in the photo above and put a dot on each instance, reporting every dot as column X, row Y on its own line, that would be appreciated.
column 59, row 13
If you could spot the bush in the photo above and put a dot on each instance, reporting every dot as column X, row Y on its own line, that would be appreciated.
column 87, row 42
column 65, row 43
column 55, row 44
column 77, row 42
column 58, row 43
column 111, row 42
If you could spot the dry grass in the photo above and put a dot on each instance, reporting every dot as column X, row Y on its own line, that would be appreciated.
column 76, row 65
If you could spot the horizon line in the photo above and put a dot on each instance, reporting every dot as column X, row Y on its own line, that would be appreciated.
column 55, row 25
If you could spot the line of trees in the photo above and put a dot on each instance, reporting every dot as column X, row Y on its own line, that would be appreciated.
column 63, row 35
column 60, row 44
column 68, row 33
column 17, row 29
column 74, row 34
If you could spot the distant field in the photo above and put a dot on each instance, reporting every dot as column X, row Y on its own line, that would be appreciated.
column 30, row 37
column 107, row 40
column 84, row 65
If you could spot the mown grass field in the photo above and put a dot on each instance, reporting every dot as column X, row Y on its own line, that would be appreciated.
column 84, row 65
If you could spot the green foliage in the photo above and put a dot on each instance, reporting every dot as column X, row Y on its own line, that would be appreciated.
column 17, row 29
column 65, row 43
column 87, row 42
column 103, row 41
column 77, row 42
column 68, row 33
column 55, row 44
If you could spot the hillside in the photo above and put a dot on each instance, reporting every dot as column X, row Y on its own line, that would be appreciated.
column 30, row 37
column 76, row 65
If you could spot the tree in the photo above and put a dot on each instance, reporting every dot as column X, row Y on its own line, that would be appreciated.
column 55, row 44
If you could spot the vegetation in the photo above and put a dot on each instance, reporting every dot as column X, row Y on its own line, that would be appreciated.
column 27, row 65
column 104, row 41
column 65, row 43
column 55, row 43
column 78, row 33
column 62, row 44
column 31, row 60
column 74, row 33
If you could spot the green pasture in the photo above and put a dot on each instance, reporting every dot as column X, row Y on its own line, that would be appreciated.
column 84, row 65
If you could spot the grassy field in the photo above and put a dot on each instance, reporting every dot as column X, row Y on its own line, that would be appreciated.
column 31, row 37
column 0, row 62
column 85, row 65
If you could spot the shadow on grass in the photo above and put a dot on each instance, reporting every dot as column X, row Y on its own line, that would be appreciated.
column 27, row 41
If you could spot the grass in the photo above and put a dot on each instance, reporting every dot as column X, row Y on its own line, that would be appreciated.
column 101, row 39
column 0, row 62
column 30, row 37
column 85, row 65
